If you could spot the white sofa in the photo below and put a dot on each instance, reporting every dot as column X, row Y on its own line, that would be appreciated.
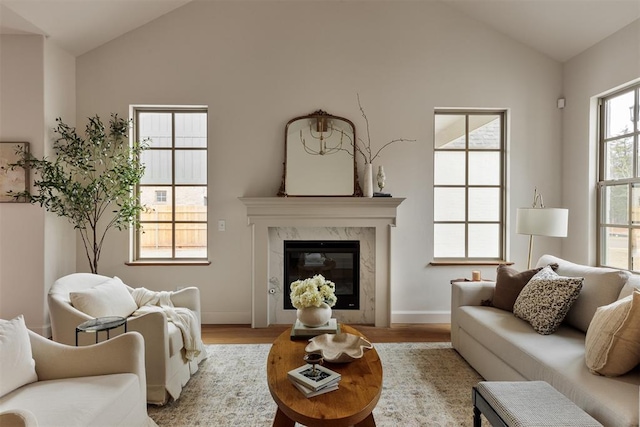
column 502, row 347
column 98, row 385
column 167, row 368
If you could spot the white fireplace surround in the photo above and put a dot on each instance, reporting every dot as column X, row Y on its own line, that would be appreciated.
column 379, row 213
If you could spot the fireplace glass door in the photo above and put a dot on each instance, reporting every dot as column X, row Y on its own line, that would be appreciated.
column 336, row 260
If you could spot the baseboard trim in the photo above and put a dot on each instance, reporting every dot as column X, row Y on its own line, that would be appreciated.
column 420, row 317
column 226, row 318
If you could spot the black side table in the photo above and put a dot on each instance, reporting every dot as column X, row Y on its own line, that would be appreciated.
column 101, row 324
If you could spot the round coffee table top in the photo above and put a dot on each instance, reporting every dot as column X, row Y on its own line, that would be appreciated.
column 101, row 324
column 358, row 393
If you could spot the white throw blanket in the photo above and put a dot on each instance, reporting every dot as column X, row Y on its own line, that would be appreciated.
column 184, row 319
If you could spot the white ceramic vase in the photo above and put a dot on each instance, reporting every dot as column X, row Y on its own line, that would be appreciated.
column 313, row 317
column 368, row 180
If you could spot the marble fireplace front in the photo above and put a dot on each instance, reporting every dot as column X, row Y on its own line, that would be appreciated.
column 278, row 289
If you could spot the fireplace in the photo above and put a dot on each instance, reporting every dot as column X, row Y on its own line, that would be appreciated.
column 336, row 260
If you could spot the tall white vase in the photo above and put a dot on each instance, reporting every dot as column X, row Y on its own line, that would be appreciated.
column 368, row 180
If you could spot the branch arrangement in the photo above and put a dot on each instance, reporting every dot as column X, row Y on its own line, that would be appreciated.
column 365, row 150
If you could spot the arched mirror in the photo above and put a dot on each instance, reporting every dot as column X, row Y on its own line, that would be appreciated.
column 318, row 157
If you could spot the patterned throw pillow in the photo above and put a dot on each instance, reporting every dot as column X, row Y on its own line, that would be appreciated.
column 546, row 299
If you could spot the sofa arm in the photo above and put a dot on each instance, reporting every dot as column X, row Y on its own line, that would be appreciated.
column 470, row 293
column 121, row 354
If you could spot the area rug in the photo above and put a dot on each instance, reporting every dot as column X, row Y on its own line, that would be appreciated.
column 425, row 384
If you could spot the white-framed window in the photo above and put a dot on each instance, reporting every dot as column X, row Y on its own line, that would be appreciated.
column 619, row 180
column 469, row 186
column 174, row 186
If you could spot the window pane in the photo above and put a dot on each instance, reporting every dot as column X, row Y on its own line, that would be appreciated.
column 191, row 203
column 618, row 110
column 484, row 132
column 449, row 168
column 449, row 204
column 635, row 200
column 191, row 240
column 450, row 131
column 484, row 204
column 157, row 210
column 157, row 165
column 157, row 127
column 448, row 240
column 155, row 240
column 635, row 250
column 616, row 204
column 484, row 240
column 191, row 129
column 619, row 159
column 616, row 244
column 191, row 166
column 484, row 168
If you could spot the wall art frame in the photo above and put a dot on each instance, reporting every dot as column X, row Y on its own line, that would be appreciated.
column 12, row 180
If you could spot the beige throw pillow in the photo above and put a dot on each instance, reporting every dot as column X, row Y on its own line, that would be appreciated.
column 110, row 298
column 612, row 345
column 17, row 366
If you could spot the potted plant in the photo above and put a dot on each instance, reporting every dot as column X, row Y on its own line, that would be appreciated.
column 90, row 181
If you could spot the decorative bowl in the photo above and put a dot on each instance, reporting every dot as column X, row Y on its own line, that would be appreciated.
column 339, row 348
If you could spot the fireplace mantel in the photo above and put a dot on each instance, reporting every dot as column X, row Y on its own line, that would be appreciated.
column 267, row 212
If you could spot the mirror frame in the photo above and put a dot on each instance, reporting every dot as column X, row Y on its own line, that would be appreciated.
column 357, row 191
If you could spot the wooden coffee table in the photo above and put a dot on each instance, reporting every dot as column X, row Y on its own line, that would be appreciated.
column 353, row 402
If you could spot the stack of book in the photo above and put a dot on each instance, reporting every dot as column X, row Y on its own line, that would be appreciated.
column 301, row 332
column 313, row 380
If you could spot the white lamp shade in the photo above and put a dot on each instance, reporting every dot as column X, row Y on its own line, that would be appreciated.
column 552, row 222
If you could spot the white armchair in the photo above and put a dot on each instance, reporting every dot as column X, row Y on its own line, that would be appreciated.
column 167, row 368
column 98, row 385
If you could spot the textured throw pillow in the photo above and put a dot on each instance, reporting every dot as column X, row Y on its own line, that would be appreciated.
column 612, row 345
column 17, row 367
column 546, row 300
column 110, row 298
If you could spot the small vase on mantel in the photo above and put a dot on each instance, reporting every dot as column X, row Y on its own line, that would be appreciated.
column 368, row 180
column 312, row 317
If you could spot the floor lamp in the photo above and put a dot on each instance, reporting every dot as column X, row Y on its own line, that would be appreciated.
column 540, row 221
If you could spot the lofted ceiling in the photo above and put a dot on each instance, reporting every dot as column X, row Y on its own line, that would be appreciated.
column 560, row 29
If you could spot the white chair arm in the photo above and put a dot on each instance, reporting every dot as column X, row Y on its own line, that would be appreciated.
column 188, row 298
column 121, row 354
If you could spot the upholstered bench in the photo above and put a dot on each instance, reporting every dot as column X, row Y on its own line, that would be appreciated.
column 526, row 404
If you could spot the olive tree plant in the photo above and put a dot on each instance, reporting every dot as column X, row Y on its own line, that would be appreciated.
column 90, row 181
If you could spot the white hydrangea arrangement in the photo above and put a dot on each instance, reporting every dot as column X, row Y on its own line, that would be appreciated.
column 313, row 292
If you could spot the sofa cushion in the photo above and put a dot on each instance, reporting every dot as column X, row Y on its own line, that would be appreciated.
column 601, row 286
column 509, row 284
column 632, row 284
column 110, row 298
column 557, row 359
column 612, row 345
column 546, row 299
column 17, row 367
column 103, row 400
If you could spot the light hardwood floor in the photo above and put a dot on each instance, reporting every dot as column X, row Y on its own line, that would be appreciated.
column 244, row 334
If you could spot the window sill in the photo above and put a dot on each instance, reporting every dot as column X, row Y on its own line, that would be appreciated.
column 471, row 262
column 171, row 263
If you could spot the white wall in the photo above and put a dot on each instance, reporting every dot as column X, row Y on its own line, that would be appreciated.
column 259, row 64
column 612, row 63
column 34, row 249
